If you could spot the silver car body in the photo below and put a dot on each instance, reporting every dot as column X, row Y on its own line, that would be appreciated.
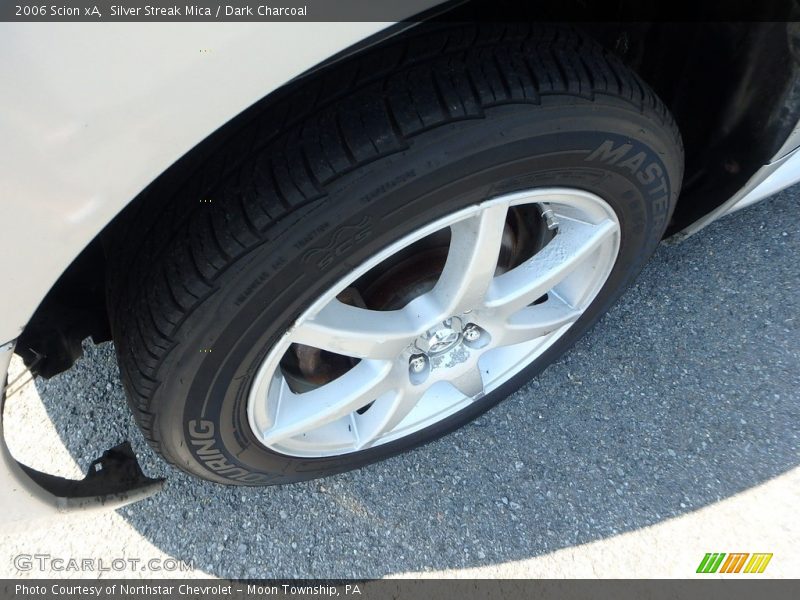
column 90, row 115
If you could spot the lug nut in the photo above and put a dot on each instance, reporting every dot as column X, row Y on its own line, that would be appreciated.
column 471, row 333
column 417, row 363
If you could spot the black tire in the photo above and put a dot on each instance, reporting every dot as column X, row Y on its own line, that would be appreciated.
column 443, row 121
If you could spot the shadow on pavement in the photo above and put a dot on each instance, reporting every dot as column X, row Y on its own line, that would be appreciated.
column 684, row 394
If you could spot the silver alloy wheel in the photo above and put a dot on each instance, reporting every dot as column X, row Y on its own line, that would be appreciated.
column 448, row 346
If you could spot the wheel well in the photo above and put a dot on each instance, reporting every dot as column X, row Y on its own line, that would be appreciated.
column 732, row 87
column 733, row 90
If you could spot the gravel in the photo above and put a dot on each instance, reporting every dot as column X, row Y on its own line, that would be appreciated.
column 685, row 394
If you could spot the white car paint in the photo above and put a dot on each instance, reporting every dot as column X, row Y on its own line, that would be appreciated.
column 784, row 172
column 90, row 114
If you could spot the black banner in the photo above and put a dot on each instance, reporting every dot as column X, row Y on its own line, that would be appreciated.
column 397, row 589
column 392, row 10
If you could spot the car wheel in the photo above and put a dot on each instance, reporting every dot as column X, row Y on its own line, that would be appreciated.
column 395, row 260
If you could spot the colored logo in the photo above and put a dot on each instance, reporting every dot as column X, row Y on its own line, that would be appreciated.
column 719, row 562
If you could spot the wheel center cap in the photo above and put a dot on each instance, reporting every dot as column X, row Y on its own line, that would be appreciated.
column 442, row 338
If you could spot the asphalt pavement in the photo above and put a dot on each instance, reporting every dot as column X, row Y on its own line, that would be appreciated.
column 681, row 404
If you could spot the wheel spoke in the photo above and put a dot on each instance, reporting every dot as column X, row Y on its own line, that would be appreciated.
column 537, row 321
column 357, row 332
column 379, row 420
column 469, row 383
column 472, row 259
column 301, row 413
column 575, row 242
